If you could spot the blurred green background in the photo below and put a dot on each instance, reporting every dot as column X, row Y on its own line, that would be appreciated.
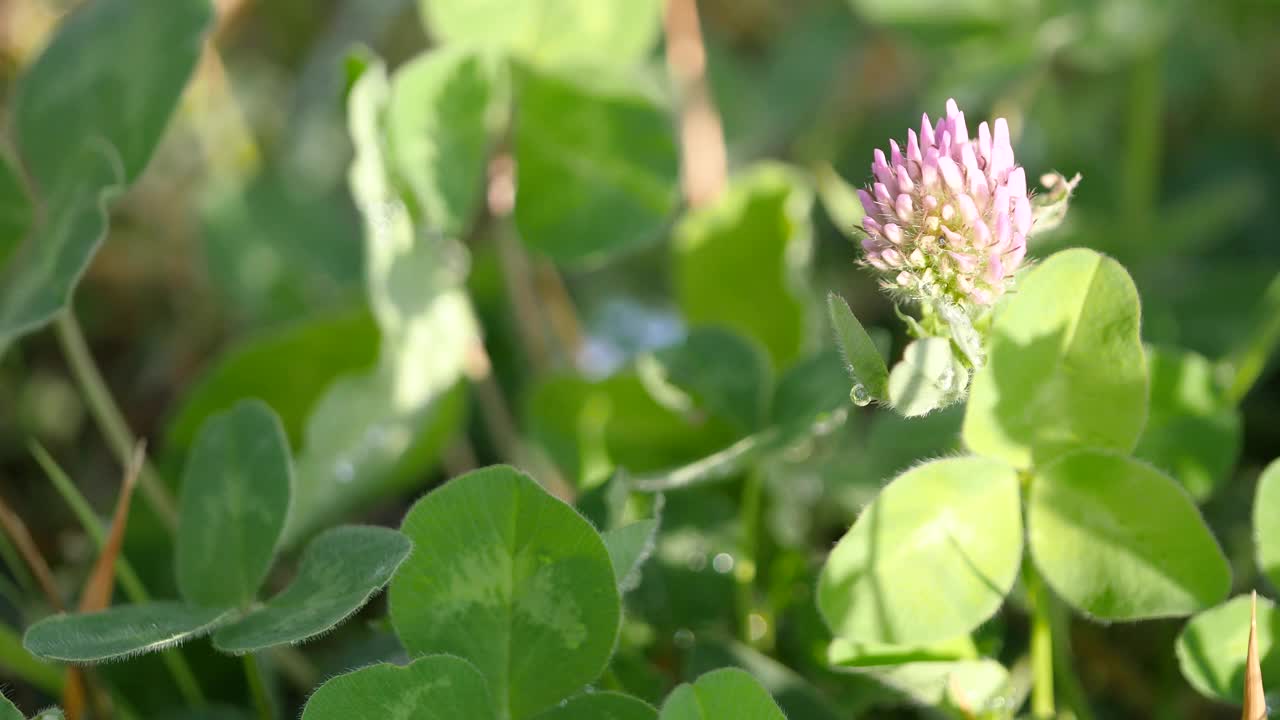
column 242, row 238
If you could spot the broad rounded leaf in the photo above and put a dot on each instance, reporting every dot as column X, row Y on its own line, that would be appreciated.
column 430, row 688
column 597, row 169
column 1213, row 646
column 235, row 498
column 929, row 377
column 266, row 367
column 1193, row 430
column 87, row 115
column 439, row 123
column 1266, row 522
column 952, row 524
column 719, row 695
column 341, row 569
column 120, row 632
column 550, row 32
column 511, row 579
column 1119, row 540
column 742, row 261
column 601, row 706
column 1066, row 368
column 861, row 356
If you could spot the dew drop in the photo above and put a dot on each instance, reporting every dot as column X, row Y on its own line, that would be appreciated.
column 859, row 395
column 722, row 563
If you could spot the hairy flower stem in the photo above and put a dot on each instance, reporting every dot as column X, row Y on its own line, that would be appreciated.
column 1042, row 701
column 109, row 418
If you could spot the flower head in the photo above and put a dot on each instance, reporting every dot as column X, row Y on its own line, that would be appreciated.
column 948, row 218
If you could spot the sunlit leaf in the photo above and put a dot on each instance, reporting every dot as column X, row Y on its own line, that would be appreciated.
column 929, row 377
column 728, row 693
column 550, row 32
column 1213, row 646
column 341, row 569
column 1066, row 368
column 372, row 434
column 511, row 579
column 1120, row 540
column 439, row 127
column 954, row 524
column 120, row 632
column 1266, row 522
column 235, row 498
column 438, row 687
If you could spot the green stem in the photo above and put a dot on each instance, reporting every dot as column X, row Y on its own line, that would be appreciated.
column 1042, row 702
column 258, row 689
column 744, row 566
column 183, row 677
column 1073, row 694
column 109, row 418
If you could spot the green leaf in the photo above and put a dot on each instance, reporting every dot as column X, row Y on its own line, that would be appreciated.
column 727, row 693
column 87, row 116
column 597, row 168
column 601, row 706
column 1193, row 431
column 511, row 579
column 849, row 654
column 1066, row 367
column 723, row 372
column 1266, row 522
column 1213, row 646
column 440, row 119
column 979, row 685
column 266, row 367
column 928, row 377
column 8, row 711
column 120, row 632
column 341, row 570
column 550, row 32
column 742, row 262
column 15, row 210
column 931, row 558
column 629, row 547
column 1119, row 540
column 861, row 356
column 374, row 434
column 235, row 498
column 438, row 687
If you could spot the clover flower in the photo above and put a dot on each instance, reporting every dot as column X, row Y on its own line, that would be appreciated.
column 947, row 219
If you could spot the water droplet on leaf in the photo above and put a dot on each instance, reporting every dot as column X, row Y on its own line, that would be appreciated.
column 859, row 395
